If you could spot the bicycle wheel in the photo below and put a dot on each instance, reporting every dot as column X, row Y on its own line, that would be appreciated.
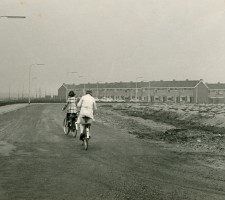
column 66, row 129
column 85, row 143
column 85, row 140
column 75, row 133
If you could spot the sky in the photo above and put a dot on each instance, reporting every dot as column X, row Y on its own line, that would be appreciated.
column 109, row 41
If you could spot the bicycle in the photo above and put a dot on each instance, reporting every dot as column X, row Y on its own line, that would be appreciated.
column 70, row 125
column 86, row 132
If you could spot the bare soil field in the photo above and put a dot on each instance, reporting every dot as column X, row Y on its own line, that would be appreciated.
column 184, row 128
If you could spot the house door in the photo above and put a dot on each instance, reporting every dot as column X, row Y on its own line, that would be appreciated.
column 152, row 98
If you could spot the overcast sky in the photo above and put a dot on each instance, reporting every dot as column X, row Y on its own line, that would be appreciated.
column 110, row 40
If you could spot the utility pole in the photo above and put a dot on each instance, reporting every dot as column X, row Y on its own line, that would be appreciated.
column 136, row 91
column 9, row 94
column 149, row 94
column 22, row 92
column 39, row 93
column 36, row 64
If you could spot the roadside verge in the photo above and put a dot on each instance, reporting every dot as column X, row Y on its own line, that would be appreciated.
column 13, row 107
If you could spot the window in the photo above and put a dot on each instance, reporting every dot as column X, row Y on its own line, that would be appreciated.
column 169, row 98
column 183, row 98
column 157, row 98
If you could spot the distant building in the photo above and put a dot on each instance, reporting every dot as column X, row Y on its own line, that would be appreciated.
column 186, row 91
column 48, row 96
column 63, row 91
column 216, row 92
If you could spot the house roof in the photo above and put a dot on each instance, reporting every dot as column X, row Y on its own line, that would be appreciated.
column 172, row 84
column 69, row 86
column 214, row 86
column 152, row 84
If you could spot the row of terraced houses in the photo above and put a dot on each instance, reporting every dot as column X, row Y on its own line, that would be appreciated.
column 185, row 91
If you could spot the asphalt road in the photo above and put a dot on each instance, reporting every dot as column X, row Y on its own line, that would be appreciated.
column 37, row 161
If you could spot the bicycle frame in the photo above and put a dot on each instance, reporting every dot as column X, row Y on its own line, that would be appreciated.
column 68, row 124
column 86, row 129
column 86, row 132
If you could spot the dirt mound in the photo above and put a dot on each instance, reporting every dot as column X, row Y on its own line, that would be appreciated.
column 184, row 125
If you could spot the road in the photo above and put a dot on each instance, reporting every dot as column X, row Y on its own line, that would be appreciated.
column 37, row 161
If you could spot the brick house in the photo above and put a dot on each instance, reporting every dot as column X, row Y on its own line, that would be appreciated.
column 216, row 92
column 63, row 91
column 188, row 91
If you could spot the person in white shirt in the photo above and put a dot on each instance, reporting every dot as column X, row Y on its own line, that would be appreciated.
column 88, row 108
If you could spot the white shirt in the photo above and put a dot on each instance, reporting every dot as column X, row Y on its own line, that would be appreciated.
column 88, row 105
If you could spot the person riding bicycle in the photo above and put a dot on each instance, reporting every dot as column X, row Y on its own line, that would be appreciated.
column 71, row 106
column 88, row 108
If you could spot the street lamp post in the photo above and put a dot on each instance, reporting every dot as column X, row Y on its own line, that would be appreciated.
column 66, row 92
column 29, row 78
column 97, row 88
column 35, row 78
column 9, row 93
column 148, row 88
column 136, row 92
column 22, row 92
column 13, row 17
column 97, row 91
